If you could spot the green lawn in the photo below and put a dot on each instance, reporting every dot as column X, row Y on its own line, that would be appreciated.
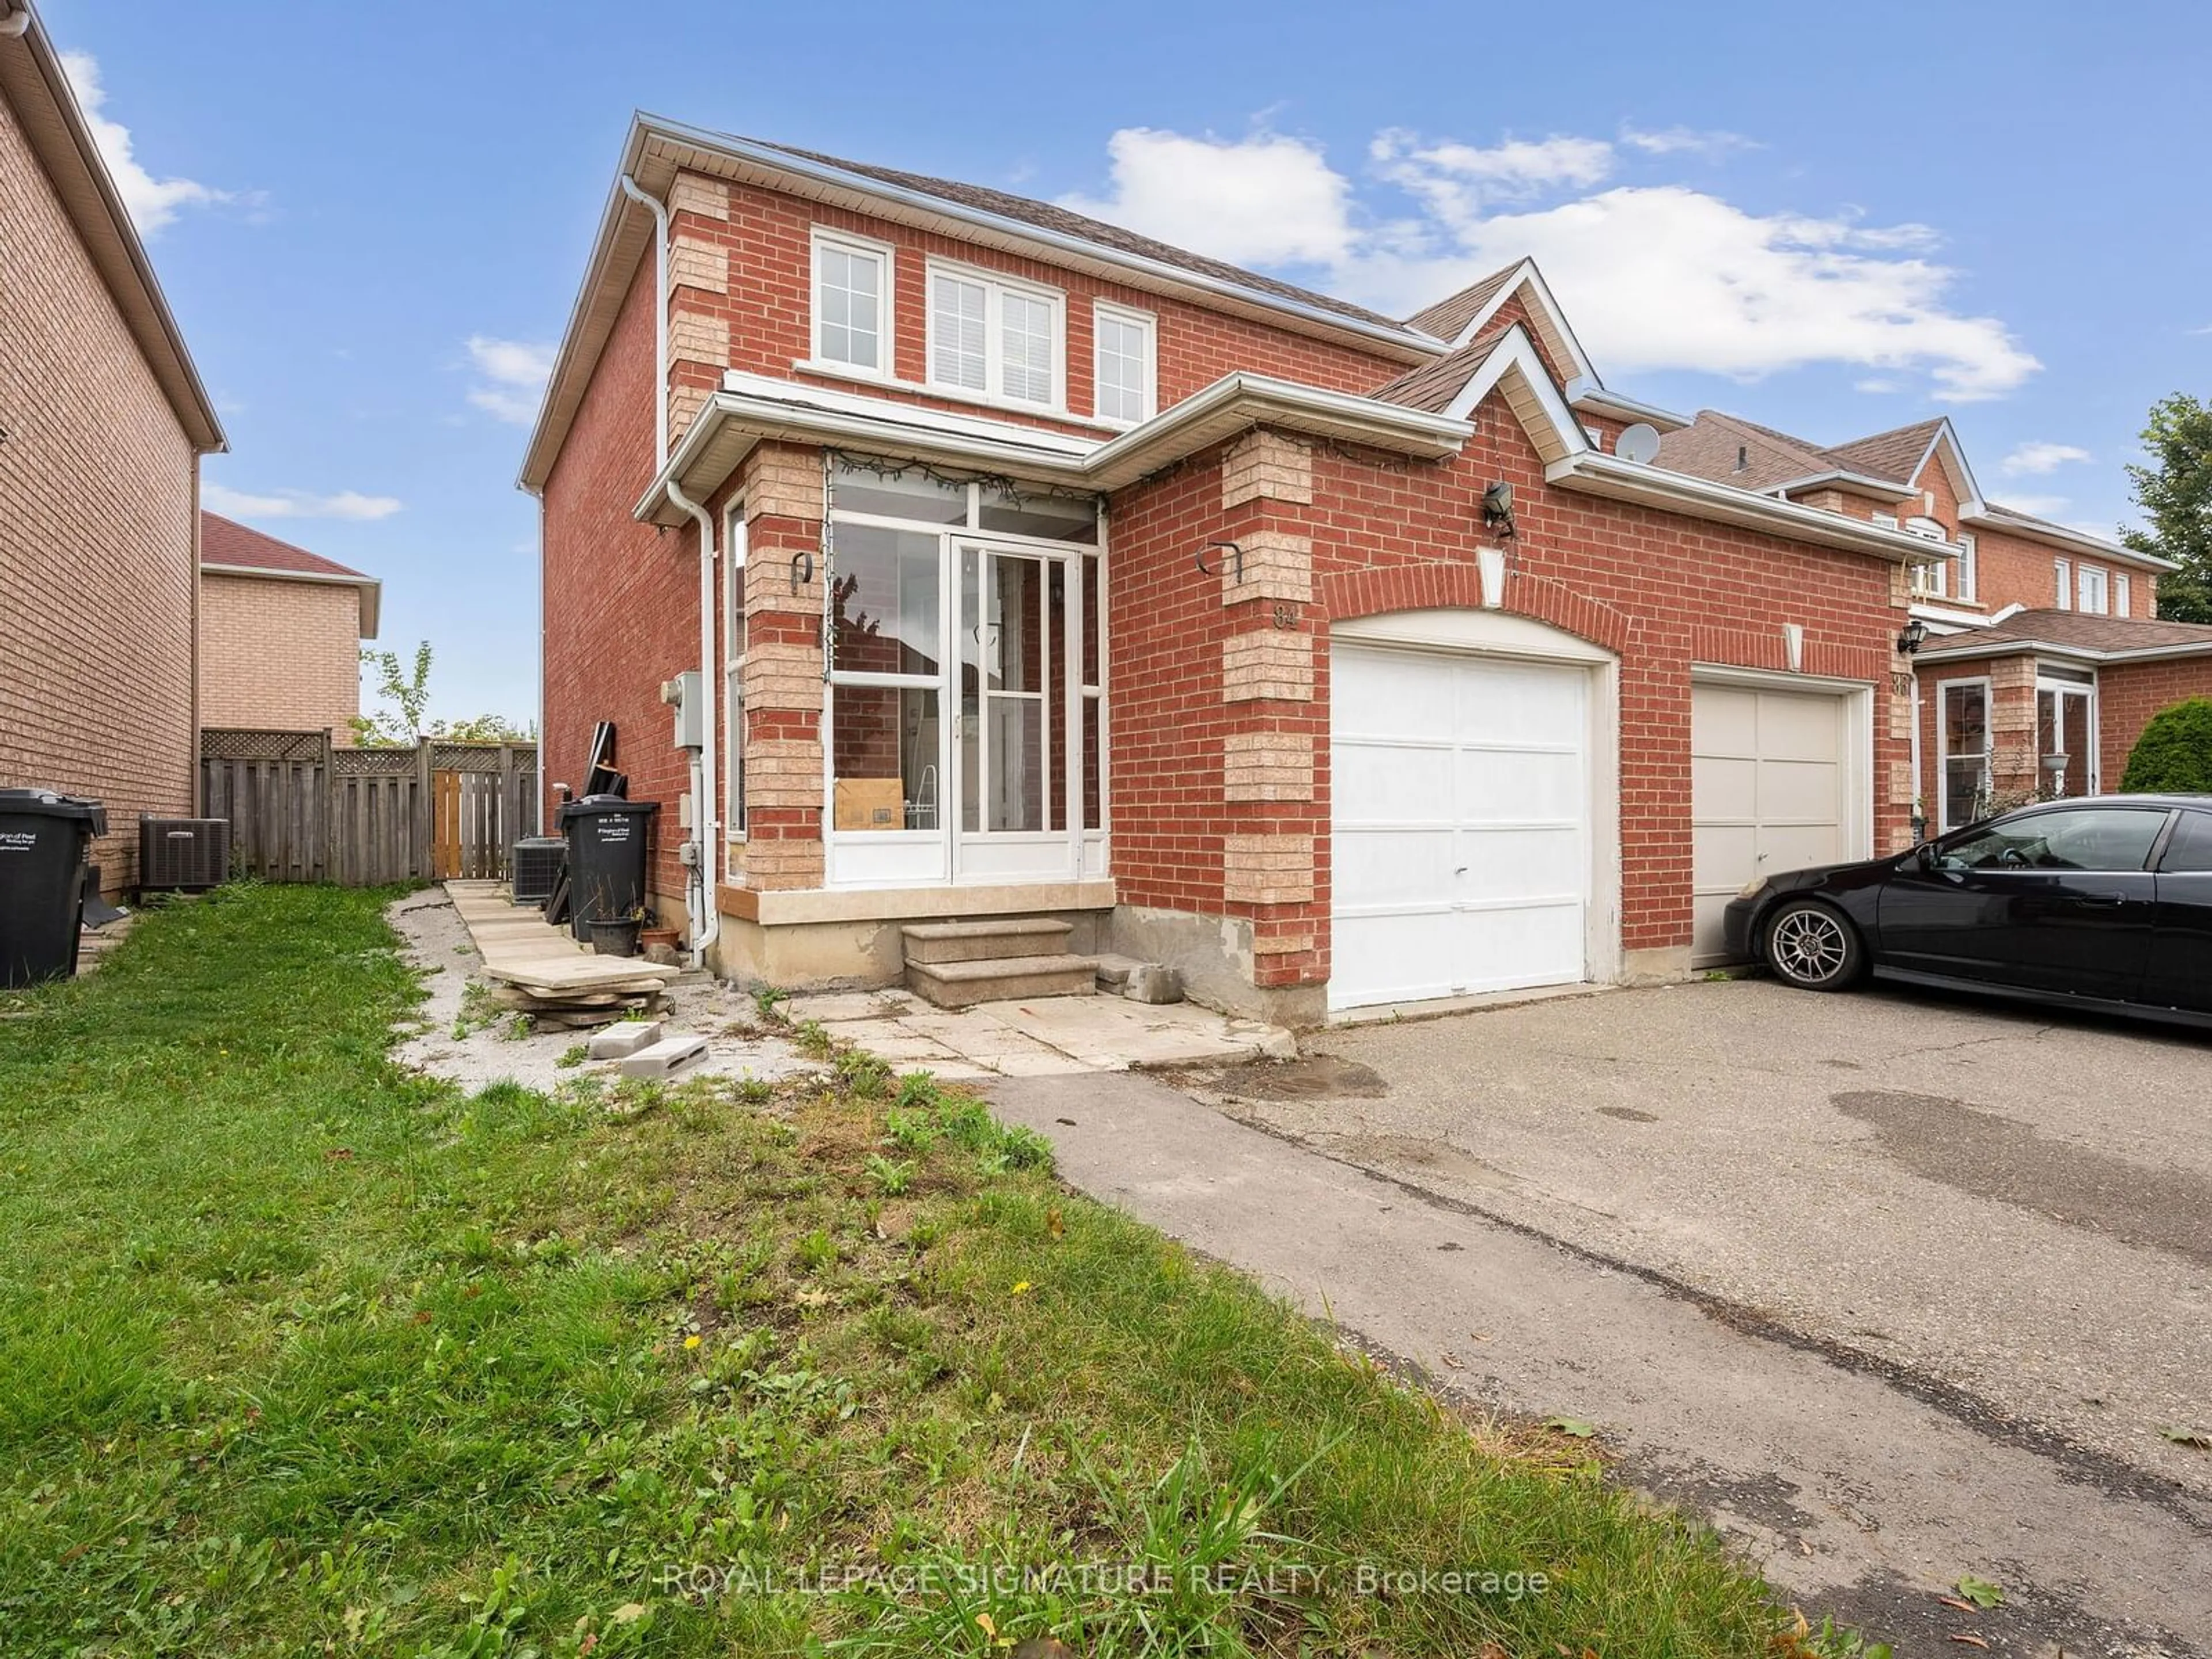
column 300, row 1352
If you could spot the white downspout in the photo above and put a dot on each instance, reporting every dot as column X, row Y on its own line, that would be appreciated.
column 706, row 823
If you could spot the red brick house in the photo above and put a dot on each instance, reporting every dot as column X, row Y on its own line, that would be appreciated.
column 103, row 421
column 2044, row 658
column 280, row 633
column 1039, row 569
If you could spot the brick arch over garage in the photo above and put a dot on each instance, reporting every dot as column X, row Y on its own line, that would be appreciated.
column 1372, row 591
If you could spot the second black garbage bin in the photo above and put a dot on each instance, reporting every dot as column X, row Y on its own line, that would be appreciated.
column 43, row 838
column 608, row 839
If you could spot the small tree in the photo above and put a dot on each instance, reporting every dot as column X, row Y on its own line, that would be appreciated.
column 2174, row 756
column 396, row 727
column 2175, row 493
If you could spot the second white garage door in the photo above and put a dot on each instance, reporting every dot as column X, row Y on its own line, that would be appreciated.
column 1772, row 789
column 1463, row 824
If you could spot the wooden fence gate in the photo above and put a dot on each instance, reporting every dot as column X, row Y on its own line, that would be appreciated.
column 303, row 808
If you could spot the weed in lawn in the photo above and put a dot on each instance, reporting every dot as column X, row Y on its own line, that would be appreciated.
column 573, row 1055
column 769, row 1000
column 892, row 1180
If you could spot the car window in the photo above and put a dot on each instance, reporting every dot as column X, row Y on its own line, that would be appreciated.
column 2191, row 846
column 2094, row 838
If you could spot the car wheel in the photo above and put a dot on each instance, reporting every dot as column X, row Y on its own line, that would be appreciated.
column 1814, row 948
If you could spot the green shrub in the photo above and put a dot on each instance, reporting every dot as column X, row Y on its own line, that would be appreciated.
column 2174, row 754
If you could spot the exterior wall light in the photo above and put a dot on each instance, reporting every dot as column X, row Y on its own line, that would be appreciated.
column 1914, row 637
column 1498, row 511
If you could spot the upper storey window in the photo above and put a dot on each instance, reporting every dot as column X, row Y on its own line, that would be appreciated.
column 1125, row 367
column 995, row 339
column 852, row 302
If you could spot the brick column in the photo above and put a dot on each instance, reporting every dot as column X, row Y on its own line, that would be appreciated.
column 697, row 297
column 783, row 668
column 1278, row 832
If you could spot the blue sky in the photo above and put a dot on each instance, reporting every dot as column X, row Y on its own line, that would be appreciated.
column 372, row 222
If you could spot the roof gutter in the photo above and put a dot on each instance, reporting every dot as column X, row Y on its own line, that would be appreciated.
column 1887, row 489
column 1608, row 475
column 1967, row 651
column 2059, row 536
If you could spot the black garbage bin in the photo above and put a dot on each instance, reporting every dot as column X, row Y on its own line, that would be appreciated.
column 607, row 838
column 44, row 839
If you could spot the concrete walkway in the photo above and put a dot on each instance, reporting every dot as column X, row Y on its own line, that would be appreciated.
column 1041, row 1036
column 1855, row 1493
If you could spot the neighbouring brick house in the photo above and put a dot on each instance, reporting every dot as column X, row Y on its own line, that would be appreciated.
column 1037, row 568
column 102, row 423
column 2045, row 658
column 280, row 633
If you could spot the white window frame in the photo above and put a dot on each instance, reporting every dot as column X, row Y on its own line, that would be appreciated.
column 2094, row 583
column 733, row 684
column 1943, row 690
column 2123, row 594
column 1970, row 575
column 1886, row 520
column 995, row 286
column 886, row 258
column 1128, row 317
column 2063, row 570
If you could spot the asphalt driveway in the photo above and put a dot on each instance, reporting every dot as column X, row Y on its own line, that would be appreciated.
column 2015, row 1205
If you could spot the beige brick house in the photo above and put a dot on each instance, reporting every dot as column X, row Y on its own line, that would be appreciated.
column 280, row 633
column 102, row 423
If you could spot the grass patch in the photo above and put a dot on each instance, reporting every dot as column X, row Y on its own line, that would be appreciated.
column 305, row 1353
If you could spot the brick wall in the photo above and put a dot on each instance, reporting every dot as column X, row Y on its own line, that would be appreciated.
column 621, row 599
column 281, row 655
column 98, row 558
column 2130, row 695
column 1220, row 688
column 741, row 271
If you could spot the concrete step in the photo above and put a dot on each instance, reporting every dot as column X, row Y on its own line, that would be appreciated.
column 1001, row 979
column 979, row 941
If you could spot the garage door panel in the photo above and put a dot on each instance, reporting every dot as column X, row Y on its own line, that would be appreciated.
column 1725, row 787
column 1801, row 789
column 1794, row 726
column 1770, row 782
column 1795, row 847
column 1395, row 958
column 1394, row 868
column 1529, row 864
column 1381, row 694
column 1385, row 783
column 1482, row 767
column 1514, row 785
column 1724, row 721
column 1539, row 945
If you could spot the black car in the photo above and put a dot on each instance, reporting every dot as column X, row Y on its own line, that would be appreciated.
column 2104, row 902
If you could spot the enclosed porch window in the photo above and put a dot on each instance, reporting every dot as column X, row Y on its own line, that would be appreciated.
column 965, row 722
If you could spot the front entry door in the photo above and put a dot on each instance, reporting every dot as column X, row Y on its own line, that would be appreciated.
column 1012, row 739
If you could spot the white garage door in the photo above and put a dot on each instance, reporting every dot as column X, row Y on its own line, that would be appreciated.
column 1770, row 792
column 1462, row 833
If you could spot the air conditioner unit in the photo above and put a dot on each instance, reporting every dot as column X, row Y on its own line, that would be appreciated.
column 538, row 861
column 183, row 854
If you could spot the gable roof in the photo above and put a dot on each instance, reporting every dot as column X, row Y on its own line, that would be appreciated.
column 1895, row 455
column 228, row 548
column 1448, row 318
column 37, row 92
column 2076, row 633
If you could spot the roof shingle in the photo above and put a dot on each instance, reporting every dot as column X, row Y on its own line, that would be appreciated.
column 2084, row 632
column 225, row 541
column 1447, row 318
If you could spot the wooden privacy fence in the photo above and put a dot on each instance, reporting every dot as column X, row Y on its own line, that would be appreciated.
column 303, row 808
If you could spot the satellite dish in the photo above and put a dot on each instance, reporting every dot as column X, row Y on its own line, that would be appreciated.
column 1638, row 443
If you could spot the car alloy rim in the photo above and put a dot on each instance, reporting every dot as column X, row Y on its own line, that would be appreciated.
column 1810, row 944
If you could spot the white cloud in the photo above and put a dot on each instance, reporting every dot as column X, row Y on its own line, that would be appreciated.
column 1654, row 277
column 1689, row 140
column 2037, row 457
column 1262, row 200
column 516, row 370
column 2041, row 507
column 296, row 504
column 152, row 202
